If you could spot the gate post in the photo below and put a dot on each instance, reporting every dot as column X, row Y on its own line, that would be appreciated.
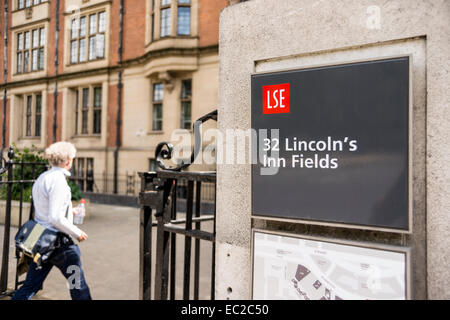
column 162, row 216
column 145, row 240
column 6, row 235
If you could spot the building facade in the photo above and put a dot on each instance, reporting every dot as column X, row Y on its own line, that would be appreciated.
column 114, row 77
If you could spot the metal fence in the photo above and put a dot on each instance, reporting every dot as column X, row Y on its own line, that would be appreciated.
column 15, row 184
column 159, row 197
column 130, row 184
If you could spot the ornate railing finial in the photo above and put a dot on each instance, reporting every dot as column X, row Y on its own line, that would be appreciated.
column 5, row 165
column 164, row 150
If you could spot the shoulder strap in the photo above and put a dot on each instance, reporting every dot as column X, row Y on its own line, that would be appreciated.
column 31, row 217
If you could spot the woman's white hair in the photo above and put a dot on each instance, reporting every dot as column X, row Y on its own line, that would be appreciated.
column 59, row 152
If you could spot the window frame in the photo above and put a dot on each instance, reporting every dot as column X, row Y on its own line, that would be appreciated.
column 184, row 5
column 38, row 115
column 91, row 49
column 85, row 110
column 28, row 115
column 82, row 173
column 184, row 100
column 97, row 110
column 169, row 25
column 77, row 110
column 152, row 16
column 157, row 122
column 25, row 55
column 22, row 4
column 32, row 115
column 164, row 7
column 89, row 175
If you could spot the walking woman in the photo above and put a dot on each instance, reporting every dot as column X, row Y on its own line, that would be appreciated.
column 52, row 200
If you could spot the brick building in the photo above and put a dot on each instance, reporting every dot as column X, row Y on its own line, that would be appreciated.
column 114, row 77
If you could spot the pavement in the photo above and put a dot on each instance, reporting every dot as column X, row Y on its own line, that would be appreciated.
column 110, row 257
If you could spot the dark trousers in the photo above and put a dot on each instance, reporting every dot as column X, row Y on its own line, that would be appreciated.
column 67, row 259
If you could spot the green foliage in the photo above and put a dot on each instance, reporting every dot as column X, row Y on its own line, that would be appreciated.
column 76, row 191
column 24, row 172
column 30, row 155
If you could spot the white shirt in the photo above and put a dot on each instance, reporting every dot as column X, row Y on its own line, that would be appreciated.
column 51, row 198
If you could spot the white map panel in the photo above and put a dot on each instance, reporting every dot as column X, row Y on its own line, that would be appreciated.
column 293, row 268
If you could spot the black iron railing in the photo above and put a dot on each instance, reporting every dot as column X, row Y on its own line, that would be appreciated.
column 158, row 200
column 19, row 176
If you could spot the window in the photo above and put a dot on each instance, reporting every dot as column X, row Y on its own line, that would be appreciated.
column 89, row 174
column 22, row 4
column 85, row 111
column 165, row 18
column 153, row 21
column 158, row 95
column 88, row 110
column 87, row 38
column 82, row 173
column 33, row 115
column 175, row 18
column 41, row 48
column 30, row 50
column 186, row 94
column 29, row 115
column 38, row 116
column 97, row 110
column 77, row 106
column 184, row 17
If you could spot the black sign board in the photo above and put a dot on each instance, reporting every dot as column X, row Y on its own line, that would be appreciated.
column 341, row 153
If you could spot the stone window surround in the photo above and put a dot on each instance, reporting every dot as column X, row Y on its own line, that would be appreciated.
column 172, row 98
column 157, row 102
column 185, row 99
column 17, row 8
column 87, row 36
column 36, row 73
column 153, row 21
column 24, row 99
column 65, row 87
column 40, row 46
column 17, row 116
column 38, row 13
column 86, row 11
column 78, row 91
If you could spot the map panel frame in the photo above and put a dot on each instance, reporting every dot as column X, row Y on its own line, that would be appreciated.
column 325, row 287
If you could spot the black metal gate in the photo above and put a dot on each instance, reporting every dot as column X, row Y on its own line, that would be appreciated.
column 160, row 200
column 15, row 178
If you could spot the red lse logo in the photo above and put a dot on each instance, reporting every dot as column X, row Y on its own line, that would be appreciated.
column 277, row 98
